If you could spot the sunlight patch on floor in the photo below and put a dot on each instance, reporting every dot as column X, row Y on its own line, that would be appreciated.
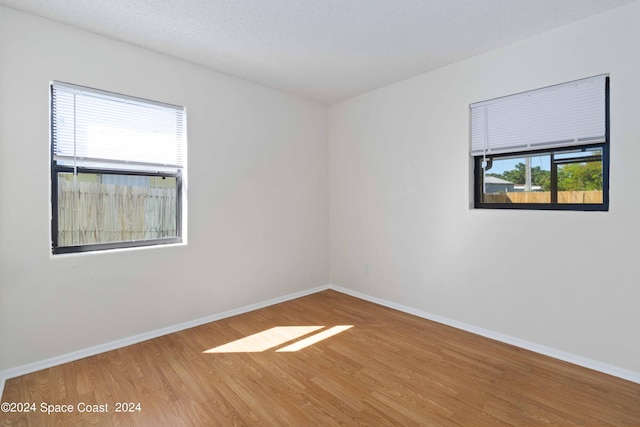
column 264, row 340
column 277, row 336
column 315, row 338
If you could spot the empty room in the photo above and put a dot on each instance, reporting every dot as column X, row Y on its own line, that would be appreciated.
column 301, row 213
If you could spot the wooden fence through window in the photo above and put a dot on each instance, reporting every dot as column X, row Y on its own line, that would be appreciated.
column 567, row 197
column 91, row 212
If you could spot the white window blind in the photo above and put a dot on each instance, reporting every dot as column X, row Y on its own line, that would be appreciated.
column 106, row 130
column 563, row 115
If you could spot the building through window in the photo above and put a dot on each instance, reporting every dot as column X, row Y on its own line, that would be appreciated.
column 543, row 149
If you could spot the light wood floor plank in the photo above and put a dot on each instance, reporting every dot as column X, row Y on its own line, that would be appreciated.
column 389, row 369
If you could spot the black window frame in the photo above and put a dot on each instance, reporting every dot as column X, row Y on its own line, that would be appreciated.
column 56, row 169
column 554, row 205
column 604, row 146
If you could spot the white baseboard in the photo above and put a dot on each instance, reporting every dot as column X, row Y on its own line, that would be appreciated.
column 113, row 345
column 527, row 345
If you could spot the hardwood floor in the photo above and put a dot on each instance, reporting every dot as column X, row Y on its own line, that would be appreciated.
column 390, row 368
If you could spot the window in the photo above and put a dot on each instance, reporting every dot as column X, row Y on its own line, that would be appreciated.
column 543, row 149
column 117, row 168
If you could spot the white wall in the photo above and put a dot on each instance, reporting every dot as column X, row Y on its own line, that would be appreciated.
column 400, row 192
column 257, row 198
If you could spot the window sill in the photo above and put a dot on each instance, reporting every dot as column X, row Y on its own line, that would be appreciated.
column 62, row 255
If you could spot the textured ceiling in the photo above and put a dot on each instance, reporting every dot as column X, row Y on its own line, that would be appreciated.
column 325, row 50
